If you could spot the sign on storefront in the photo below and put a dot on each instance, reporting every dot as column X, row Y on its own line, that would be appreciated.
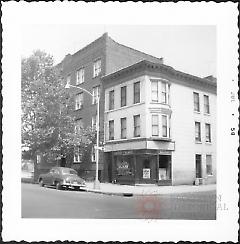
column 146, row 174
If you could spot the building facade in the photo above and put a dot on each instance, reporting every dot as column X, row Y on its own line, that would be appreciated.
column 160, row 126
column 85, row 69
column 157, row 124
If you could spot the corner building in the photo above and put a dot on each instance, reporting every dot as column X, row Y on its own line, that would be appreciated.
column 157, row 124
column 85, row 69
column 160, row 126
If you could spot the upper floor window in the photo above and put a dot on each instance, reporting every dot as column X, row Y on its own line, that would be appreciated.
column 78, row 125
column 196, row 102
column 96, row 94
column 111, row 100
column 154, row 88
column 123, row 128
column 93, row 154
column 96, row 68
column 94, row 122
column 68, row 79
column 123, row 96
column 165, row 126
column 136, row 92
column 197, row 131
column 79, row 101
column 164, row 92
column 77, row 157
column 206, row 104
column 111, row 130
column 80, row 76
column 155, row 125
column 209, row 164
column 208, row 132
column 136, row 121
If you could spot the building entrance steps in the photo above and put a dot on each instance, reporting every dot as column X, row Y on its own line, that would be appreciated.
column 144, row 189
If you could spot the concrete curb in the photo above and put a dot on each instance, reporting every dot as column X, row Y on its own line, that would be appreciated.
column 130, row 194
column 123, row 194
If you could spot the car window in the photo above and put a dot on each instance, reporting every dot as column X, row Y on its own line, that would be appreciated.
column 69, row 172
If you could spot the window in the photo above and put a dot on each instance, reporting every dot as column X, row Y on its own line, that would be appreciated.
column 197, row 131
column 79, row 101
column 164, row 126
column 123, row 96
column 68, row 79
column 136, row 93
column 123, row 128
column 111, row 130
column 80, row 76
column 96, row 68
column 206, row 104
column 94, row 122
column 111, row 100
column 164, row 92
column 155, row 125
column 209, row 164
column 96, row 94
column 136, row 121
column 196, row 102
column 208, row 132
column 93, row 154
column 77, row 156
column 78, row 125
column 198, row 165
column 154, row 88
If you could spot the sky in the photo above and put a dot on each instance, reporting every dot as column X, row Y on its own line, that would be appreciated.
column 188, row 48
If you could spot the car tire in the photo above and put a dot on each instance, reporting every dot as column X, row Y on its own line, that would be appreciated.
column 58, row 186
column 41, row 183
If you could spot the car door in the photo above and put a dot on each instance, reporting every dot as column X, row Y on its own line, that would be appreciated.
column 48, row 177
column 55, row 176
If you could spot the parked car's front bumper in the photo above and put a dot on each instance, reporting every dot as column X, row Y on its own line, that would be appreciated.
column 73, row 185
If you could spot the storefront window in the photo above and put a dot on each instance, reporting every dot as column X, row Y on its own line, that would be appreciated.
column 124, row 166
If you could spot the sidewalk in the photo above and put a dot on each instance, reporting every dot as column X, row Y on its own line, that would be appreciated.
column 140, row 190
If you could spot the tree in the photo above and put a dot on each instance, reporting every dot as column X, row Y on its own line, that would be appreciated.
column 48, row 120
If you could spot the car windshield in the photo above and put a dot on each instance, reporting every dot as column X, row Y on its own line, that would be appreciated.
column 69, row 172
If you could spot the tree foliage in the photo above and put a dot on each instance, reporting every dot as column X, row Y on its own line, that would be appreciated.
column 48, row 120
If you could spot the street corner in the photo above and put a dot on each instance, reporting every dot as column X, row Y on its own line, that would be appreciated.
column 148, row 207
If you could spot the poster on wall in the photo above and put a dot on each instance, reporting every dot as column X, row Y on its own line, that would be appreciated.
column 162, row 173
column 146, row 174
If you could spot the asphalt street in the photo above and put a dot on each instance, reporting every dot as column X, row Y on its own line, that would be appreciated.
column 43, row 202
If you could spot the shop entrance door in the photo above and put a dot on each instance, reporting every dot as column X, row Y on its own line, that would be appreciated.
column 164, row 170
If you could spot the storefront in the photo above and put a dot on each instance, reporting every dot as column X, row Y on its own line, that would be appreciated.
column 141, row 167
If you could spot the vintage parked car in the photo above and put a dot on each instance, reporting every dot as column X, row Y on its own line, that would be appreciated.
column 62, row 177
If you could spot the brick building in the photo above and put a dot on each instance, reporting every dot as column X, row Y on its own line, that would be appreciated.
column 85, row 69
column 157, row 124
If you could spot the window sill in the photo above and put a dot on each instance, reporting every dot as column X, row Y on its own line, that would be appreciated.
column 78, row 109
column 78, row 84
column 198, row 142
column 152, row 102
column 208, row 143
column 96, row 76
column 197, row 112
column 125, row 107
column 158, row 138
column 207, row 114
